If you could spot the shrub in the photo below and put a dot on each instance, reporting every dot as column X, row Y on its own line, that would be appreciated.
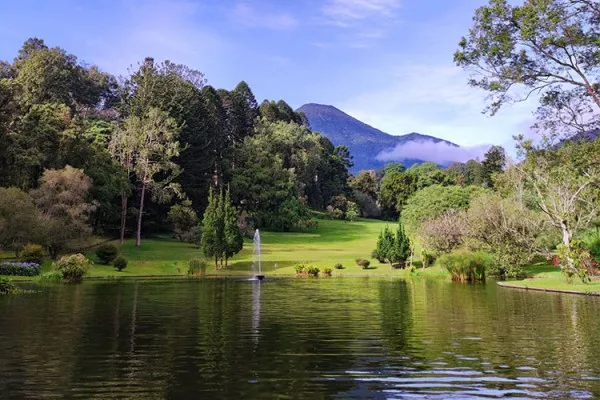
column 364, row 264
column 51, row 277
column 6, row 286
column 196, row 267
column 592, row 243
column 73, row 267
column 577, row 261
column 306, row 270
column 338, row 266
column 327, row 271
column 19, row 268
column 32, row 253
column 120, row 263
column 466, row 266
column 107, row 253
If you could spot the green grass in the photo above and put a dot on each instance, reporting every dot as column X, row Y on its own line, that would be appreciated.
column 331, row 243
column 544, row 276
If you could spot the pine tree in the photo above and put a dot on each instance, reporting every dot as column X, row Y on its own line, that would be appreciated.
column 233, row 239
column 387, row 246
column 401, row 245
column 220, row 227
column 210, row 239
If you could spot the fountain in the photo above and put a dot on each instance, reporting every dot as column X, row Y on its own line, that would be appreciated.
column 256, row 258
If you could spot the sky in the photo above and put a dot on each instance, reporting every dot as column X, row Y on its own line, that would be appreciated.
column 385, row 62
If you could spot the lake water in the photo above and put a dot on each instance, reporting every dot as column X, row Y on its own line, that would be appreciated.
column 297, row 338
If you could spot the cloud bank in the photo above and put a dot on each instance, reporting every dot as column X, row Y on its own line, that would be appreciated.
column 439, row 153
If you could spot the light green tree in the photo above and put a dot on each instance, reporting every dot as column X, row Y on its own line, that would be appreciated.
column 233, row 239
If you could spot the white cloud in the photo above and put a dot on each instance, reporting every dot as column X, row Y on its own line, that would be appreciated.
column 433, row 100
column 345, row 13
column 440, row 153
column 249, row 16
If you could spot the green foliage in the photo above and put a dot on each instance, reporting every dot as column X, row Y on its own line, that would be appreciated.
column 576, row 261
column 120, row 263
column 353, row 212
column 327, row 271
column 591, row 242
column 433, row 201
column 73, row 267
column 7, row 287
column 307, row 270
column 545, row 47
column 107, row 253
column 466, row 266
column 196, row 267
column 493, row 163
column 184, row 220
column 33, row 253
column 393, row 249
column 221, row 235
column 19, row 219
column 396, row 187
column 65, row 209
column 364, row 264
column 338, row 266
column 51, row 277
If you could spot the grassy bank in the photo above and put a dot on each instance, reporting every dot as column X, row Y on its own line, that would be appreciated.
column 330, row 243
column 548, row 277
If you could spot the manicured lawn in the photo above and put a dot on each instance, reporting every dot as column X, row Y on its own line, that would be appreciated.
column 545, row 276
column 332, row 242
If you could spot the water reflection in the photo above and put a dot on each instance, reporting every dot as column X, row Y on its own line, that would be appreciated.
column 300, row 338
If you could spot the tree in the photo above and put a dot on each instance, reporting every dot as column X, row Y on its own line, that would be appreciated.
column 155, row 140
column 566, row 186
column 509, row 230
column 445, row 233
column 548, row 47
column 493, row 163
column 19, row 219
column 395, row 189
column 62, row 199
column 366, row 182
column 393, row 249
column 184, row 220
column 402, row 246
column 123, row 146
column 352, row 211
column 210, row 243
column 433, row 201
column 232, row 235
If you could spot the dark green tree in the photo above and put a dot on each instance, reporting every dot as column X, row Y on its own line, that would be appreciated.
column 493, row 163
column 210, row 243
column 233, row 239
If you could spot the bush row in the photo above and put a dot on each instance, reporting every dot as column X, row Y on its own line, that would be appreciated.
column 19, row 268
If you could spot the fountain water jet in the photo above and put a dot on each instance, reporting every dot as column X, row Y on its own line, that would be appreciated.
column 256, row 267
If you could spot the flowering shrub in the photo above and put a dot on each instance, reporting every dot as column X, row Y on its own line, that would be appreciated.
column 577, row 261
column 73, row 267
column 19, row 268
column 33, row 253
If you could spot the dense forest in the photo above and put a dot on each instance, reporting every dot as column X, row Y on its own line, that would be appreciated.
column 84, row 151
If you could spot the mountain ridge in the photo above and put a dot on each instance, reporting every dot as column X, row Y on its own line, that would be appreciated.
column 364, row 141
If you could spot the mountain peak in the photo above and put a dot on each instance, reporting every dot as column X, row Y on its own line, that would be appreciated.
column 364, row 141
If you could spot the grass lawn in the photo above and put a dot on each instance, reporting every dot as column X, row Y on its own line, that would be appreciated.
column 332, row 242
column 545, row 276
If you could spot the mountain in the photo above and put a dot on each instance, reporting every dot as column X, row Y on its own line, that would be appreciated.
column 363, row 141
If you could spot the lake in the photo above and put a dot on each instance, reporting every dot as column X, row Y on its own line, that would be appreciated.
column 297, row 338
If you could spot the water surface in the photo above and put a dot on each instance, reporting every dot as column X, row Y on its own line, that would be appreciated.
column 297, row 338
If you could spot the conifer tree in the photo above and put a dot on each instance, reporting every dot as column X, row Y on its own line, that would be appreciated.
column 210, row 239
column 233, row 240
column 401, row 245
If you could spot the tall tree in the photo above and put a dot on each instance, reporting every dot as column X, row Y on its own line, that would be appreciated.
column 493, row 163
column 233, row 239
column 210, row 243
column 123, row 147
column 550, row 48
column 156, row 145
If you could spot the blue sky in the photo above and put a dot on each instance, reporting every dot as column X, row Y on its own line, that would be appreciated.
column 386, row 62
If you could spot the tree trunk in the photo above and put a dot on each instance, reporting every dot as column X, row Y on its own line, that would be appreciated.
column 138, row 236
column 566, row 238
column 123, row 215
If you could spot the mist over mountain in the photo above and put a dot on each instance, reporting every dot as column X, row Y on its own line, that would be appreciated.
column 372, row 148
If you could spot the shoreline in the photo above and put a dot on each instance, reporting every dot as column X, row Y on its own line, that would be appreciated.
column 540, row 289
